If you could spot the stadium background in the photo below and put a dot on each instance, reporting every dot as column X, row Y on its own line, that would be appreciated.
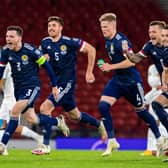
column 81, row 20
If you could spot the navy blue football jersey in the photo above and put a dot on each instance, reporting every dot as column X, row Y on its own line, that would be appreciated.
column 116, row 55
column 156, row 53
column 23, row 64
column 165, row 57
column 63, row 56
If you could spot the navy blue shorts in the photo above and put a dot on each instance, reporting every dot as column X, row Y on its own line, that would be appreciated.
column 31, row 93
column 132, row 92
column 66, row 97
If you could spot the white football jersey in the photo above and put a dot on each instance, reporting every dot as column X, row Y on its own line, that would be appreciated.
column 8, row 89
column 9, row 98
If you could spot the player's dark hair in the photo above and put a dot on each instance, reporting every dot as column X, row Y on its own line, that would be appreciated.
column 57, row 19
column 18, row 29
column 161, row 24
column 108, row 17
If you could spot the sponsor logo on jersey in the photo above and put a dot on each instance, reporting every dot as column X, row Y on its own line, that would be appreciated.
column 10, row 58
column 49, row 47
column 63, row 49
column 24, row 59
column 154, row 53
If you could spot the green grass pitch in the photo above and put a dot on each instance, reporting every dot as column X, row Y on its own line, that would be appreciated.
column 80, row 159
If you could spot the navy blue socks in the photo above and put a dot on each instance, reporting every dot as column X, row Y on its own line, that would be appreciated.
column 150, row 121
column 88, row 119
column 10, row 129
column 161, row 113
column 104, row 109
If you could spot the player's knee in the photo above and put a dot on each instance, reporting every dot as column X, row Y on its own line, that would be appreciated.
column 74, row 114
column 45, row 110
column 103, row 107
column 31, row 120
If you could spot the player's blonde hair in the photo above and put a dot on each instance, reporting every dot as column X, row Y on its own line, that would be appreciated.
column 108, row 17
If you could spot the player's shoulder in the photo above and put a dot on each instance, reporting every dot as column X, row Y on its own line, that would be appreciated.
column 70, row 39
column 5, row 48
column 66, row 38
column 120, row 36
column 46, row 39
column 148, row 44
column 28, row 46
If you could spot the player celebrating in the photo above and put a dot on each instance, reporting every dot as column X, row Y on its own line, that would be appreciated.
column 126, row 82
column 154, row 82
column 25, row 60
column 62, row 53
column 157, row 49
column 8, row 102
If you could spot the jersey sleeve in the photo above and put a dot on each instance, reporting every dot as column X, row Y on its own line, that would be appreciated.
column 35, row 53
column 40, row 59
column 145, row 50
column 43, row 48
column 77, row 43
column 126, row 42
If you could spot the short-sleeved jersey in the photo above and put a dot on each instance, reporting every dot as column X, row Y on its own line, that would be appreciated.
column 63, row 56
column 23, row 65
column 156, row 53
column 116, row 55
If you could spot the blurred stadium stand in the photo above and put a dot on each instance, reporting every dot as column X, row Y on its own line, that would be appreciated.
column 81, row 20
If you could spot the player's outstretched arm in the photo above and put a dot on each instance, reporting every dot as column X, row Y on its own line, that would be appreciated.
column 135, row 58
column 53, row 80
column 121, row 65
column 90, row 51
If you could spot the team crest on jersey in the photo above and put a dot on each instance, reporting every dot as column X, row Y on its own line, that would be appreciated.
column 63, row 49
column 154, row 53
column 24, row 59
column 10, row 58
